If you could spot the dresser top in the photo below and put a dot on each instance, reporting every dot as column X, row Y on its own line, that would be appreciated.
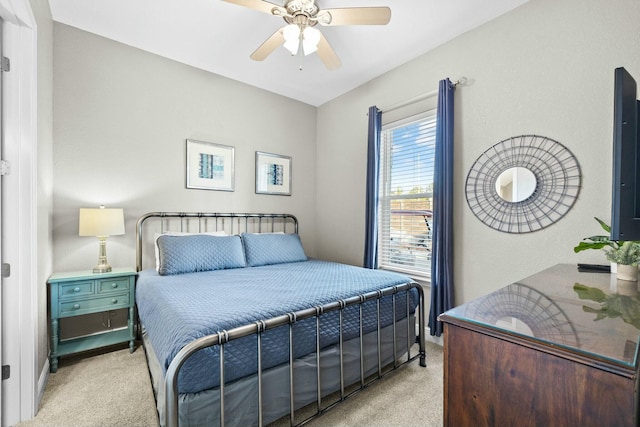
column 590, row 313
column 90, row 275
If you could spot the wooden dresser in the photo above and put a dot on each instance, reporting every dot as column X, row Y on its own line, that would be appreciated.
column 559, row 348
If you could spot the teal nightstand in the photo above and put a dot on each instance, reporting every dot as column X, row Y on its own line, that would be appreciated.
column 83, row 292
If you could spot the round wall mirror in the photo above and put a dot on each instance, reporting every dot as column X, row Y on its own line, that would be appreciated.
column 516, row 184
column 523, row 184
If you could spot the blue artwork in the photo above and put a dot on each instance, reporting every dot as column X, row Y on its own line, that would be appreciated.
column 211, row 166
column 276, row 174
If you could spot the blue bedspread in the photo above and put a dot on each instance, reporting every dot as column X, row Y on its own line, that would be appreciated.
column 175, row 310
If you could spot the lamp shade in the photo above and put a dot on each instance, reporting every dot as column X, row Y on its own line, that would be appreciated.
column 291, row 34
column 310, row 40
column 101, row 222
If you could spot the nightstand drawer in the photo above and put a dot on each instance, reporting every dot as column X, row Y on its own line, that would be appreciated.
column 90, row 305
column 113, row 285
column 76, row 289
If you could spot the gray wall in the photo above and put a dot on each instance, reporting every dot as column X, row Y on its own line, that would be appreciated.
column 42, row 14
column 545, row 68
column 121, row 118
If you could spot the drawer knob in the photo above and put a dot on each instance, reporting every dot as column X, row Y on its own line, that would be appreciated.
column 114, row 285
column 76, row 289
column 115, row 301
column 76, row 306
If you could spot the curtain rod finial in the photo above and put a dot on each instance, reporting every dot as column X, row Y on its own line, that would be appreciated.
column 461, row 81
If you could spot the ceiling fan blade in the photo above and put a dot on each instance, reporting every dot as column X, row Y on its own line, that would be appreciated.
column 356, row 16
column 259, row 5
column 268, row 46
column 327, row 54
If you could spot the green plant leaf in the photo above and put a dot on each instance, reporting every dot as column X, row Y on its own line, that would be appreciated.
column 604, row 226
column 598, row 239
column 589, row 245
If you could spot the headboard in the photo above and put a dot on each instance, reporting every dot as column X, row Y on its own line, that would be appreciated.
column 201, row 222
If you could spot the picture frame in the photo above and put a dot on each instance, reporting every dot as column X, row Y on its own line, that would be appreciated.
column 273, row 174
column 210, row 166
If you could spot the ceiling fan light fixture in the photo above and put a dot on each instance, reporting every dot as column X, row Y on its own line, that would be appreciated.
column 310, row 40
column 291, row 34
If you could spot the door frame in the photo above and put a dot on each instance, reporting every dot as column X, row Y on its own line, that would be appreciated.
column 21, row 392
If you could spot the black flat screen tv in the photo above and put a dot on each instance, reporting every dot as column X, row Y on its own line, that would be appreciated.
column 625, row 199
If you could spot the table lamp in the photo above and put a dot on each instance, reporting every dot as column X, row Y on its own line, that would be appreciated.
column 102, row 223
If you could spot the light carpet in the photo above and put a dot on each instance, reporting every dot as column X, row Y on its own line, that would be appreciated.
column 108, row 389
column 113, row 389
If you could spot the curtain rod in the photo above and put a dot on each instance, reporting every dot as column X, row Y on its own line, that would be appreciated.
column 461, row 81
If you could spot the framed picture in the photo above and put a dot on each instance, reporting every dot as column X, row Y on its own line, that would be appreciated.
column 273, row 174
column 210, row 166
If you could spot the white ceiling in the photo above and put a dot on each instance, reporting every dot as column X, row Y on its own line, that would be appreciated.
column 219, row 37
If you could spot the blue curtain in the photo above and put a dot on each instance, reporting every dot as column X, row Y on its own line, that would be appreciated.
column 373, row 159
column 442, row 239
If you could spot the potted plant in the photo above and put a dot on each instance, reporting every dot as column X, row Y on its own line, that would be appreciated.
column 625, row 254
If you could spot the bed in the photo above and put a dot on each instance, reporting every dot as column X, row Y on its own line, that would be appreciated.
column 241, row 328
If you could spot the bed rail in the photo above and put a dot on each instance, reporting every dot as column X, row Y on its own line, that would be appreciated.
column 232, row 223
column 259, row 327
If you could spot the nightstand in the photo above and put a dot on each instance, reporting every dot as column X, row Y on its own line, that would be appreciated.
column 83, row 292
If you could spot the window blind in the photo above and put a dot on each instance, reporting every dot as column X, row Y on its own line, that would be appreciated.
column 406, row 195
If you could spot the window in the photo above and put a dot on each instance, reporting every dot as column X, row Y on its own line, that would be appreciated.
column 406, row 195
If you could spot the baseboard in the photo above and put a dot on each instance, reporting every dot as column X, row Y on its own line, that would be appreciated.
column 432, row 338
column 42, row 383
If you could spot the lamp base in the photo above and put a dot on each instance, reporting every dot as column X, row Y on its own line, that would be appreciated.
column 103, row 265
column 102, row 268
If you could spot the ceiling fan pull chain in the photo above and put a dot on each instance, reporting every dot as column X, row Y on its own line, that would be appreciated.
column 300, row 67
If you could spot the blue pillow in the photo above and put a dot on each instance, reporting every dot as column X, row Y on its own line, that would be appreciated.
column 190, row 254
column 266, row 249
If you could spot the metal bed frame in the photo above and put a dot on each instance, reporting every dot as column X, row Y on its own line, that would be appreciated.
column 236, row 223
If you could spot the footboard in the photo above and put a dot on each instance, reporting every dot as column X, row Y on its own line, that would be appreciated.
column 258, row 328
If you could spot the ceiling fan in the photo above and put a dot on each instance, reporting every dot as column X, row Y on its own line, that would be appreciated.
column 301, row 17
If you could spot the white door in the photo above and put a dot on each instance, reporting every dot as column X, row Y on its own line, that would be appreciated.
column 1, row 192
column 18, row 140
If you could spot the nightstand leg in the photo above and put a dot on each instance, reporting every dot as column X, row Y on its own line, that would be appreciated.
column 53, row 360
column 132, row 344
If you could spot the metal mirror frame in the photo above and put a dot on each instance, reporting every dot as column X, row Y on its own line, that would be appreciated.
column 558, row 180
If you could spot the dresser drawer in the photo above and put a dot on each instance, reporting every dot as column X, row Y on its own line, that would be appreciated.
column 94, row 304
column 118, row 284
column 75, row 289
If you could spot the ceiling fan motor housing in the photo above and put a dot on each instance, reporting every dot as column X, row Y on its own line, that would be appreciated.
column 307, row 7
column 303, row 13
